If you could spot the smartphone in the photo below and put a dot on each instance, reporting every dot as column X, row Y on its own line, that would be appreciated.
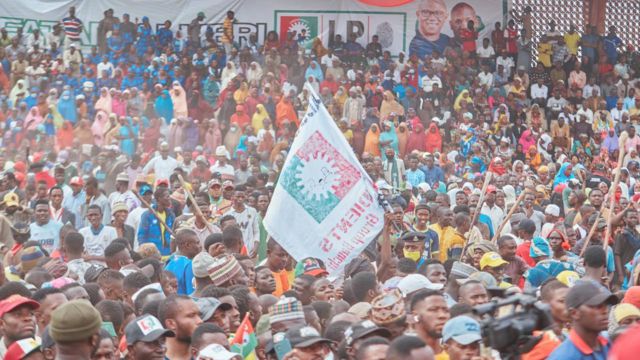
column 282, row 345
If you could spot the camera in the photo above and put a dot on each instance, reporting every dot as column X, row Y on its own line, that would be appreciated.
column 511, row 333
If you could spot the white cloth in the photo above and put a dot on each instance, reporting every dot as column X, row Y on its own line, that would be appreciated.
column 95, row 244
column 163, row 168
column 249, row 222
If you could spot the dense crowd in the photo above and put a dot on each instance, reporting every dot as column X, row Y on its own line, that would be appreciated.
column 135, row 177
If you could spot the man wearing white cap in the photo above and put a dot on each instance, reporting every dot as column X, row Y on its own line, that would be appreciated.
column 551, row 217
column 222, row 166
column 123, row 194
column 162, row 165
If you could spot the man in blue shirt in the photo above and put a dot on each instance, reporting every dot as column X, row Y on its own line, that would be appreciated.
column 432, row 173
column 611, row 43
column 180, row 263
column 414, row 175
column 588, row 305
column 432, row 15
column 151, row 230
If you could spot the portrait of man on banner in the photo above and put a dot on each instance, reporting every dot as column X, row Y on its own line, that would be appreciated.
column 432, row 15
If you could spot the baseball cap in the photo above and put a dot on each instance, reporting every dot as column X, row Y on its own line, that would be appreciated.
column 14, row 301
column 491, row 259
column 491, row 188
column 415, row 282
column 227, row 184
column 463, row 329
column 22, row 348
column 11, row 199
column 145, row 188
column 363, row 328
column 122, row 177
column 209, row 305
column 145, row 328
column 74, row 321
column 76, row 180
column 304, row 336
column 119, row 206
column 590, row 293
column 311, row 266
column 217, row 352
column 214, row 182
column 201, row 263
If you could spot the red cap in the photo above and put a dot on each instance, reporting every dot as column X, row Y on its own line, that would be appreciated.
column 162, row 181
column 21, row 348
column 76, row 180
column 12, row 302
column 491, row 189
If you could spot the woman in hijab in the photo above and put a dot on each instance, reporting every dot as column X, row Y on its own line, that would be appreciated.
column 463, row 96
column 151, row 135
column 163, row 106
column 179, row 99
column 313, row 83
column 228, row 73
column 104, row 103
column 467, row 142
column 314, row 70
column 372, row 141
column 126, row 135
column 417, row 140
column 211, row 90
column 82, row 133
column 403, row 138
column 99, row 127
column 390, row 106
column 67, row 107
column 285, row 111
column 389, row 137
column 32, row 121
column 257, row 121
column 118, row 104
column 564, row 174
column 527, row 139
column 433, row 139
column 533, row 157
column 232, row 138
column 64, row 136
column 213, row 136
column 254, row 73
column 20, row 88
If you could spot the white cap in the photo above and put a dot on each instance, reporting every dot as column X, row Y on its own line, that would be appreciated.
column 415, row 282
column 216, row 352
column 552, row 210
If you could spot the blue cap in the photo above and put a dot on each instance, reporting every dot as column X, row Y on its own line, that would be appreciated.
column 145, row 189
column 539, row 247
column 463, row 329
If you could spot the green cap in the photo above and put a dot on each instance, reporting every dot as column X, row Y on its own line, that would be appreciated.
column 201, row 14
column 76, row 320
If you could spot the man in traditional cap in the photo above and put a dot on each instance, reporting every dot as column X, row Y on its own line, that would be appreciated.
column 146, row 338
column 75, row 327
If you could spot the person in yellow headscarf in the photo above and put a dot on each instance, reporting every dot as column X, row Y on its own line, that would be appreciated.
column 390, row 106
column 340, row 98
column 533, row 157
column 372, row 141
column 464, row 95
column 241, row 95
column 257, row 121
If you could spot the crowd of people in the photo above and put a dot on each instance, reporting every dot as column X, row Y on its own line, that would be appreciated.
column 135, row 177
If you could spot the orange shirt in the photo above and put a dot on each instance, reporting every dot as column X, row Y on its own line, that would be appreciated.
column 282, row 282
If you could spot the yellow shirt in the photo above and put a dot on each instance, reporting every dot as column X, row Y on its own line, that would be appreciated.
column 447, row 239
column 544, row 54
column 572, row 41
column 442, row 356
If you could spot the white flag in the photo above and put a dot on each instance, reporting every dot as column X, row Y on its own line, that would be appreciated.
column 324, row 205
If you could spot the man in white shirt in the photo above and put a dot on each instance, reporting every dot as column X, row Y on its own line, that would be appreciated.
column 587, row 90
column 133, row 219
column 486, row 77
column 618, row 111
column 428, row 81
column 123, row 194
column 162, row 165
column 248, row 220
column 222, row 166
column 486, row 53
column 328, row 59
column 493, row 211
column 539, row 92
column 506, row 62
column 105, row 65
column 96, row 236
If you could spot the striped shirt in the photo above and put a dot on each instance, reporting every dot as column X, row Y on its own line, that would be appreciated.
column 72, row 27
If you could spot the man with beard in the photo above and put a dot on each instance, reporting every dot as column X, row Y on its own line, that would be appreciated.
column 429, row 313
column 146, row 338
column 17, row 320
column 181, row 315
column 588, row 304
column 516, row 266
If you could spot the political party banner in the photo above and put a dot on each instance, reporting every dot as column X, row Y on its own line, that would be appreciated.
column 324, row 205
column 414, row 27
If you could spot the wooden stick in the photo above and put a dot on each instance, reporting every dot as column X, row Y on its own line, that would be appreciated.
column 198, row 212
column 612, row 190
column 496, row 235
column 153, row 211
column 590, row 234
column 487, row 179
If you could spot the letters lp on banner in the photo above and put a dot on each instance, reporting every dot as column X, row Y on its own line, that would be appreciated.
column 324, row 204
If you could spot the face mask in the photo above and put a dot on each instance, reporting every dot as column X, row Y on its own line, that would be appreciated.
column 413, row 255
